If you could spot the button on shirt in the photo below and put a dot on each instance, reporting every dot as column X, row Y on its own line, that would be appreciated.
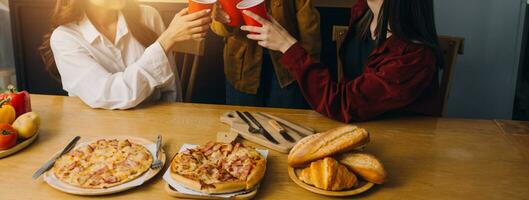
column 119, row 75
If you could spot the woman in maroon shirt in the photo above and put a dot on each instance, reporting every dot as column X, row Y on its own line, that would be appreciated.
column 398, row 74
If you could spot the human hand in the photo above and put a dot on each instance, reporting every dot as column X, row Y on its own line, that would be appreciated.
column 185, row 26
column 271, row 35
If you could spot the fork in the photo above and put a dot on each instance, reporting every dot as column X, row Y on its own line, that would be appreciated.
column 157, row 162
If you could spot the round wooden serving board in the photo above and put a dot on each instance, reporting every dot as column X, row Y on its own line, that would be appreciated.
column 362, row 186
column 65, row 187
column 19, row 146
column 174, row 193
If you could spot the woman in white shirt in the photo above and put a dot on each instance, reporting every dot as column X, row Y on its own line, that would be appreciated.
column 116, row 54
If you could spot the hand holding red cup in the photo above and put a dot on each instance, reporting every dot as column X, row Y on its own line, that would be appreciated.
column 255, row 6
column 199, row 5
column 268, row 33
column 230, row 7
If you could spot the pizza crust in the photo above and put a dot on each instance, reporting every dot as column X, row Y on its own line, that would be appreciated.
column 217, row 188
column 256, row 175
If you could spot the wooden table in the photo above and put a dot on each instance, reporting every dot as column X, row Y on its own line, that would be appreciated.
column 427, row 158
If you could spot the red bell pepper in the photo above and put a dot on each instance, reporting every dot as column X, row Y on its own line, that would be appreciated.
column 19, row 100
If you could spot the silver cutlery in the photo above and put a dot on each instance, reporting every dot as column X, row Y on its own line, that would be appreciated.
column 251, row 129
column 261, row 129
column 157, row 162
column 47, row 166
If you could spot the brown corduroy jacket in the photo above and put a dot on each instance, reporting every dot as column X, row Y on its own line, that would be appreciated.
column 243, row 58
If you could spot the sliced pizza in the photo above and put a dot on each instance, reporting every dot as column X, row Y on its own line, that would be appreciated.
column 219, row 168
column 103, row 164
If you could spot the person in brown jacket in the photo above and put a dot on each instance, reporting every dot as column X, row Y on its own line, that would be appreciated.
column 254, row 76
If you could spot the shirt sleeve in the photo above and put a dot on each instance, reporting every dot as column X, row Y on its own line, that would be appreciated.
column 84, row 77
column 396, row 82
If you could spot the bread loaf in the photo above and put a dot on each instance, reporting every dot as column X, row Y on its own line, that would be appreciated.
column 364, row 165
column 326, row 144
column 328, row 174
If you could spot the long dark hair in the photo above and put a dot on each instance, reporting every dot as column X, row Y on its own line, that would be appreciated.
column 67, row 11
column 412, row 21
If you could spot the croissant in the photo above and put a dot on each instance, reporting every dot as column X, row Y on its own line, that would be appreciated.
column 328, row 174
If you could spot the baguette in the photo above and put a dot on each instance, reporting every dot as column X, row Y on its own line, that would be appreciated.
column 364, row 165
column 328, row 174
column 321, row 145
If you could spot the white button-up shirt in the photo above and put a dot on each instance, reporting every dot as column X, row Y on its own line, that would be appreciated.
column 118, row 75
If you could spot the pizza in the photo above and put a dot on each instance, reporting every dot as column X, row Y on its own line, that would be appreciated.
column 219, row 168
column 103, row 164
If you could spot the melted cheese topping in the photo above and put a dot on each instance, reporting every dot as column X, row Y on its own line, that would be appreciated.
column 216, row 163
column 103, row 163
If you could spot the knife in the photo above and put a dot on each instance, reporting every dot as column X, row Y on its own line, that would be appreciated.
column 274, row 124
column 51, row 162
column 283, row 125
column 262, row 130
column 251, row 129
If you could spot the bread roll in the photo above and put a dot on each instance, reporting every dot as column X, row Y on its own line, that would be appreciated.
column 326, row 144
column 364, row 165
column 328, row 174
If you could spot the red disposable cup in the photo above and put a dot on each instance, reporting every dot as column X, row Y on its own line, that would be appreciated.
column 199, row 5
column 230, row 7
column 256, row 6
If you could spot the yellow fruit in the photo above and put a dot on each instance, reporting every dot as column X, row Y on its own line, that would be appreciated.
column 7, row 112
column 27, row 124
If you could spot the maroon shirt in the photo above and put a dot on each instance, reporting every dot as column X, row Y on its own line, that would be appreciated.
column 399, row 77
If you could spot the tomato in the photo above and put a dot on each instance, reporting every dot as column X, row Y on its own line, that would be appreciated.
column 8, row 136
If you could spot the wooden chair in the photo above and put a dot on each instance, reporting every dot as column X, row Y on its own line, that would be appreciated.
column 450, row 46
column 192, row 51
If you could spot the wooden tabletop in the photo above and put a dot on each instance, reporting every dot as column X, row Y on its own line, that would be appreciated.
column 425, row 157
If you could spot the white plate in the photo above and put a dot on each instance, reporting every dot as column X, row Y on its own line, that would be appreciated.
column 54, row 182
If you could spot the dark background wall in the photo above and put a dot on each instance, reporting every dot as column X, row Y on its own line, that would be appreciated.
column 484, row 80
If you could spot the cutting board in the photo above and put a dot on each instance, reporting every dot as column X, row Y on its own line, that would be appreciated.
column 241, row 128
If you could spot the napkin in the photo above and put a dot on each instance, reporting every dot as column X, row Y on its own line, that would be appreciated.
column 182, row 189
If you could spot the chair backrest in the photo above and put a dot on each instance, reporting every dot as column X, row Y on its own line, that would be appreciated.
column 450, row 46
column 192, row 51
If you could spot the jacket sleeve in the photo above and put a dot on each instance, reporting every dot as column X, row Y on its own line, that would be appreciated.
column 309, row 26
column 394, row 84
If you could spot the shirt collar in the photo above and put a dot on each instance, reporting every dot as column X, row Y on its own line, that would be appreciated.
column 90, row 33
column 122, row 29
